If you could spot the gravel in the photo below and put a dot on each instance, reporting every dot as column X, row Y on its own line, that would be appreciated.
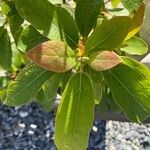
column 30, row 128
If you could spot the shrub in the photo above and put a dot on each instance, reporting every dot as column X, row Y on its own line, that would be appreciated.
column 81, row 49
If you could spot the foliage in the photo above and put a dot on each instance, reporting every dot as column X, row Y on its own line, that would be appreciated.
column 82, row 51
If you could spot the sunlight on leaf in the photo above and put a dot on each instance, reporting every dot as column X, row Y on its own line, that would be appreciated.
column 75, row 114
column 109, row 35
column 104, row 60
column 136, row 21
column 134, row 46
column 52, row 21
column 53, row 55
column 129, row 83
column 26, row 85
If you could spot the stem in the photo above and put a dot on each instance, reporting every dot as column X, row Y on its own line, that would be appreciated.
column 84, row 39
column 81, row 65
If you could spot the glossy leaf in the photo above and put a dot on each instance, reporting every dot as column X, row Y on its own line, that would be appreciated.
column 68, row 27
column 15, row 22
column 2, row 95
column 26, row 85
column 3, row 86
column 132, row 5
column 136, row 21
column 44, row 101
column 52, row 85
column 17, row 58
column 29, row 38
column 135, row 46
column 86, row 14
column 97, row 92
column 48, row 92
column 13, row 18
column 53, row 55
column 109, row 35
column 112, row 104
column 52, row 21
column 130, row 86
column 65, row 78
column 104, row 60
column 95, row 77
column 69, row 8
column 75, row 114
column 102, row 108
column 5, row 50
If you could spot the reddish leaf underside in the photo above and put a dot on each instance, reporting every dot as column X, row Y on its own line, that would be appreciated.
column 53, row 55
column 104, row 60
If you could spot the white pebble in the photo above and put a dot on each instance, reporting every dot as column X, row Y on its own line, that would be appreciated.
column 22, row 125
column 95, row 129
column 47, row 134
column 30, row 132
column 33, row 126
column 23, row 114
column 112, row 147
column 135, row 147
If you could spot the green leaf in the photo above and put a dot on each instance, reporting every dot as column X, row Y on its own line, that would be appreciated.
column 130, row 86
column 103, row 36
column 132, row 5
column 53, row 55
column 95, row 77
column 70, row 9
column 29, row 38
column 15, row 22
column 65, row 78
column 52, row 85
column 136, row 21
column 112, row 104
column 6, row 8
column 3, row 85
column 5, row 50
column 48, row 92
column 135, row 46
column 44, row 101
column 115, row 2
column 97, row 92
column 102, row 108
column 86, row 14
column 104, row 60
column 16, row 58
column 52, row 21
column 68, row 27
column 13, row 17
column 26, row 85
column 2, row 95
column 75, row 114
